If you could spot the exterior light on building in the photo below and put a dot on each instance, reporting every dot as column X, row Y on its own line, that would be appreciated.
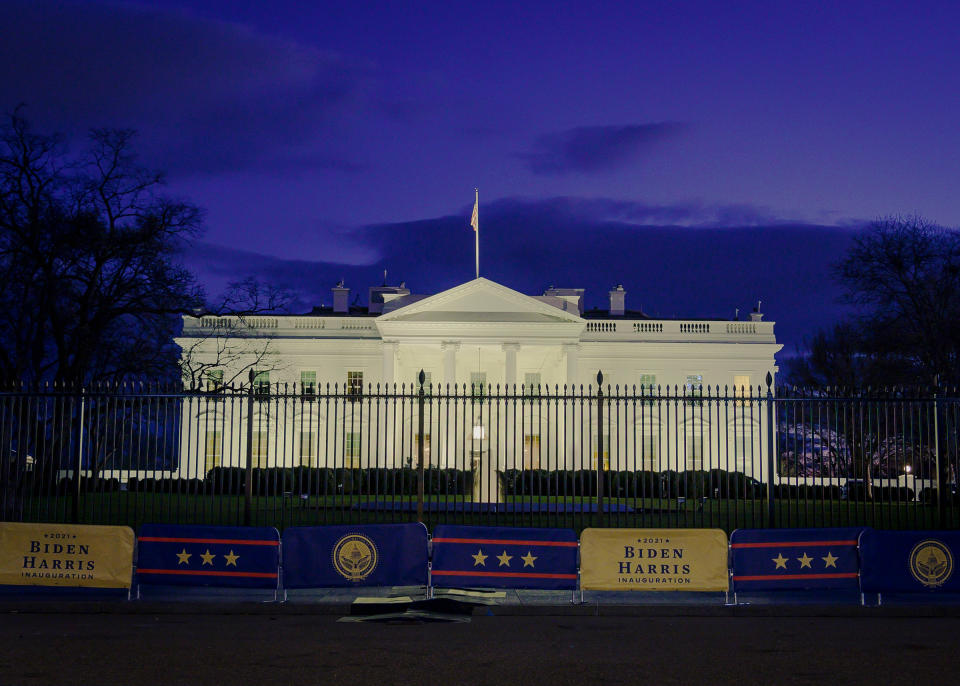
column 908, row 469
column 479, row 432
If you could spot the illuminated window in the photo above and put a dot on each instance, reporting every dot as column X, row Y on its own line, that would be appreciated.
column 531, row 383
column 261, row 383
column 478, row 382
column 351, row 448
column 214, row 379
column 308, row 448
column 426, row 448
column 648, row 386
column 531, row 451
column 741, row 387
column 354, row 383
column 606, row 451
column 308, row 383
column 260, row 449
column 694, row 385
column 213, row 450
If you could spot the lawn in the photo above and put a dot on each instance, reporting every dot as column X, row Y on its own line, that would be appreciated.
column 134, row 509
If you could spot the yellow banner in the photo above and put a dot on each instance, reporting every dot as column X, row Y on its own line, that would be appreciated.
column 653, row 560
column 65, row 555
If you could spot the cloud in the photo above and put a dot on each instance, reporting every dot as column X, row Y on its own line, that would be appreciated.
column 592, row 149
column 671, row 271
column 207, row 95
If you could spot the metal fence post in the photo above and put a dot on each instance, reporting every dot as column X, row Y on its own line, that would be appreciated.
column 600, row 507
column 771, row 458
column 248, row 481
column 941, row 496
column 420, row 447
column 78, row 467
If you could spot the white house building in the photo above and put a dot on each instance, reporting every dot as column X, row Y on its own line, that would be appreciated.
column 536, row 359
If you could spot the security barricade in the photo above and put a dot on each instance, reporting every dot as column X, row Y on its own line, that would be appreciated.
column 909, row 561
column 774, row 560
column 355, row 555
column 66, row 556
column 504, row 557
column 653, row 560
column 226, row 556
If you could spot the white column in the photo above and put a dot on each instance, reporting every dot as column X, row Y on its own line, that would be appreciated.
column 389, row 363
column 572, row 352
column 449, row 349
column 511, row 363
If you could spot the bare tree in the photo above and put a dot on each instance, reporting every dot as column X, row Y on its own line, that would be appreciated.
column 89, row 255
column 230, row 344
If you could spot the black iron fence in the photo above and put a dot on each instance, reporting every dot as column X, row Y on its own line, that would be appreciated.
column 561, row 456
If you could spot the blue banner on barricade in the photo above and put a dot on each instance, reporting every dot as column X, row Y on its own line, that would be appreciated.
column 795, row 559
column 909, row 561
column 504, row 557
column 246, row 557
column 356, row 555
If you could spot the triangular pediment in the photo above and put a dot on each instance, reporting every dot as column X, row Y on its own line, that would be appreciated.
column 480, row 300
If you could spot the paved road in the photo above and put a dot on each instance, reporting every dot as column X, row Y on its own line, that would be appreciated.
column 285, row 648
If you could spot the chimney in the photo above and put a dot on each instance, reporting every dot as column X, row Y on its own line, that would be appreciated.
column 618, row 298
column 341, row 298
column 378, row 295
column 756, row 315
column 571, row 295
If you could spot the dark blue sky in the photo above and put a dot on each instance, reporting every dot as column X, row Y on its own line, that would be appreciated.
column 703, row 154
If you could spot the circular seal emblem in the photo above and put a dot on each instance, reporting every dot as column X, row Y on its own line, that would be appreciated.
column 931, row 563
column 355, row 557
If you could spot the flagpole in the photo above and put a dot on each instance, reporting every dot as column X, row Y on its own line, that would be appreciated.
column 476, row 234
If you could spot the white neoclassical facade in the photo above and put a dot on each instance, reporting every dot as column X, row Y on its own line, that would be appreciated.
column 481, row 333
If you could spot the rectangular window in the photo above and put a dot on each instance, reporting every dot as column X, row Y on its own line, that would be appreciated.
column 478, row 383
column 351, row 448
column 531, row 451
column 308, row 383
column 354, row 383
column 606, row 451
column 648, row 387
column 531, row 383
column 261, row 383
column 308, row 443
column 694, row 387
column 426, row 449
column 212, row 452
column 260, row 449
column 741, row 387
column 214, row 379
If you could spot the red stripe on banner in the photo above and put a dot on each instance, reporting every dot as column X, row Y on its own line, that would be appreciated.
column 790, row 544
column 795, row 577
column 227, row 541
column 188, row 572
column 504, row 574
column 493, row 541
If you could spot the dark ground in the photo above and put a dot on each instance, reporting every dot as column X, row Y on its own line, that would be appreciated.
column 233, row 646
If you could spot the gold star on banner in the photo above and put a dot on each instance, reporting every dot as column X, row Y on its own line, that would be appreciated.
column 480, row 559
column 781, row 561
column 829, row 560
column 528, row 559
column 183, row 557
column 208, row 558
column 805, row 561
column 504, row 559
column 231, row 559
